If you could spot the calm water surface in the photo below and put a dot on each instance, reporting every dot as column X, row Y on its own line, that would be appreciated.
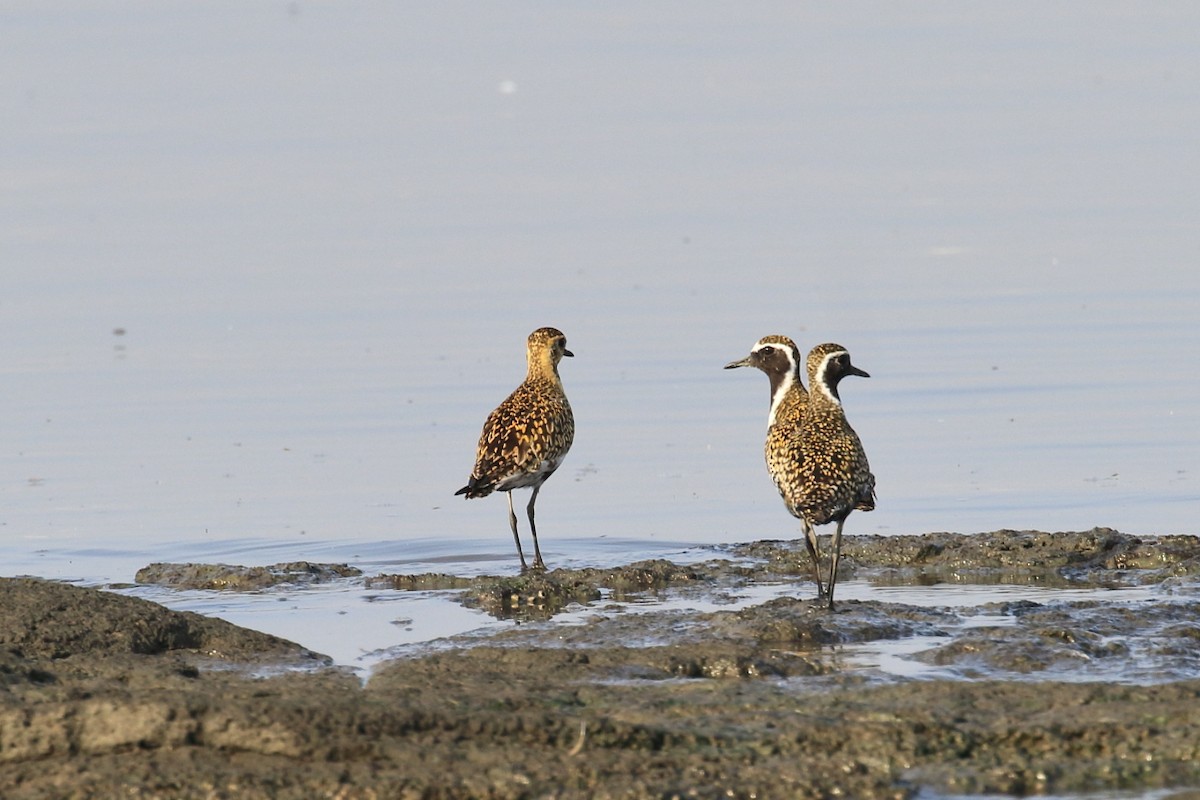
column 266, row 269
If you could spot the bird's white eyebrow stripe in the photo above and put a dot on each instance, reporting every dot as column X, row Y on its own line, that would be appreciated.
column 791, row 356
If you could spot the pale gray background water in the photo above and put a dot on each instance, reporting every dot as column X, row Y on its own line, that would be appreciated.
column 326, row 230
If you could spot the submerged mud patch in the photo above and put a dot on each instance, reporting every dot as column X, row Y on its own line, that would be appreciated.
column 807, row 623
column 1149, row 642
column 539, row 595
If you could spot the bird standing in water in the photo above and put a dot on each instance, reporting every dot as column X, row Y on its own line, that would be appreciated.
column 779, row 358
column 526, row 437
column 834, row 475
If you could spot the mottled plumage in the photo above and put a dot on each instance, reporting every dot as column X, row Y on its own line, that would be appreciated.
column 526, row 438
column 835, row 477
column 779, row 358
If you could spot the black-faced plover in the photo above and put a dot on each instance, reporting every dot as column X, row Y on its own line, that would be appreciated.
column 526, row 437
column 835, row 477
column 779, row 358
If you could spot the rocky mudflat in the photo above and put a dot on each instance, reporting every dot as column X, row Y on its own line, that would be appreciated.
column 105, row 695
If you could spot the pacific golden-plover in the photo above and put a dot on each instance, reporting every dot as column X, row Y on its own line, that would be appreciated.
column 526, row 437
column 834, row 476
column 779, row 358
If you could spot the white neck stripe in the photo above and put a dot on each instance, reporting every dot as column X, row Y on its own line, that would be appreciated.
column 780, row 393
column 818, row 380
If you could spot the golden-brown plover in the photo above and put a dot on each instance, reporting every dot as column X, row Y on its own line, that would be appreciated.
column 835, row 477
column 526, row 438
column 779, row 358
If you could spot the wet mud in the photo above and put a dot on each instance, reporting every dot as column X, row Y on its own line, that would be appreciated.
column 227, row 577
column 590, row 694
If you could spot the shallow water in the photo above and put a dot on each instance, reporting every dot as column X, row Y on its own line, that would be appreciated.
column 267, row 269
column 360, row 626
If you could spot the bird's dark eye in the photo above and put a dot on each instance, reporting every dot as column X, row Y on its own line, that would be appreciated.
column 766, row 351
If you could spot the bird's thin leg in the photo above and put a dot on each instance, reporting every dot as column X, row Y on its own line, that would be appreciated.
column 814, row 552
column 537, row 553
column 512, row 523
column 837, row 552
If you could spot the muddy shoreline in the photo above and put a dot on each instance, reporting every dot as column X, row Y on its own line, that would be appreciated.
column 106, row 695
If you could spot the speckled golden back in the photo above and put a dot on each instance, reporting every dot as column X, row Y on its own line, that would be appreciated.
column 527, row 436
column 835, row 475
column 784, row 452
